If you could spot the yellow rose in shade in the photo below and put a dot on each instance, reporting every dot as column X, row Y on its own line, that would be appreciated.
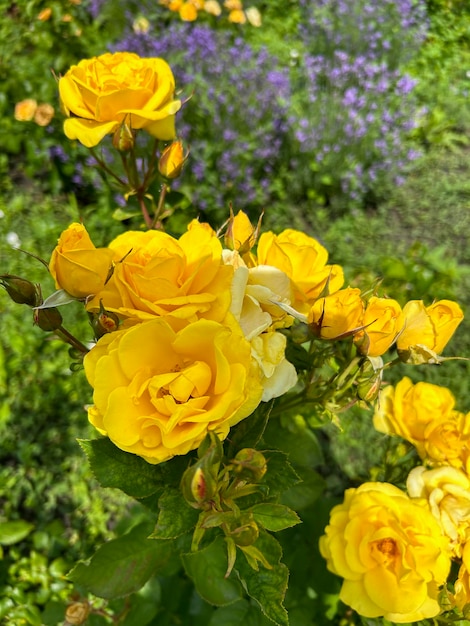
column 447, row 490
column 389, row 550
column 407, row 409
column 77, row 266
column 338, row 315
column 428, row 327
column 462, row 584
column 304, row 260
column 156, row 274
column 158, row 389
column 383, row 320
column 99, row 95
column 447, row 441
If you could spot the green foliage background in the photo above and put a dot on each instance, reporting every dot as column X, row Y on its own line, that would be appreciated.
column 415, row 239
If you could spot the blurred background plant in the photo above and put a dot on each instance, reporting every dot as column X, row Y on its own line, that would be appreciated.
column 317, row 116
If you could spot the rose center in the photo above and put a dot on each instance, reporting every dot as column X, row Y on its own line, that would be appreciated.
column 385, row 550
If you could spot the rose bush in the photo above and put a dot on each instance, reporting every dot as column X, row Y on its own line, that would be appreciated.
column 390, row 551
column 100, row 94
column 159, row 388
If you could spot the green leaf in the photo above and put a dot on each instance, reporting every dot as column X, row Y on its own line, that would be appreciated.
column 267, row 586
column 280, row 475
column 58, row 298
column 176, row 516
column 113, row 467
column 122, row 566
column 298, row 441
column 248, row 432
column 207, row 568
column 121, row 215
column 306, row 492
column 241, row 612
column 274, row 517
column 13, row 532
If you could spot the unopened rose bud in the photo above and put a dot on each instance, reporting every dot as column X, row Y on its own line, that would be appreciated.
column 77, row 613
column 20, row 290
column 369, row 380
column 198, row 487
column 48, row 319
column 250, row 464
column 124, row 138
column 104, row 322
column 172, row 160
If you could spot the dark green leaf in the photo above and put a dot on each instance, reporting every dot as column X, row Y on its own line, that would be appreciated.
column 266, row 586
column 207, row 568
column 280, row 475
column 249, row 431
column 299, row 442
column 306, row 492
column 242, row 612
column 274, row 517
column 12, row 532
column 123, row 566
column 176, row 516
column 113, row 467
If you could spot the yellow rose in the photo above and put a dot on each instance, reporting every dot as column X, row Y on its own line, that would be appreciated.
column 25, row 110
column 77, row 266
column 447, row 490
column 172, row 159
column 338, row 315
column 462, row 584
column 155, row 274
column 447, row 441
column 407, row 409
column 304, row 260
column 390, row 551
column 383, row 320
column 100, row 94
column 44, row 114
column 429, row 327
column 158, row 391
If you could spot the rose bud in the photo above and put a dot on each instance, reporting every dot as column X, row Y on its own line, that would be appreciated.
column 20, row 290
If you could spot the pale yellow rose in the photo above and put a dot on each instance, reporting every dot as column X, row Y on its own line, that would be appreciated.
column 158, row 391
column 447, row 490
column 447, row 441
column 430, row 327
column 100, row 94
column 156, row 274
column 304, row 260
column 77, row 266
column 338, row 315
column 44, row 114
column 383, row 320
column 389, row 550
column 407, row 409
column 255, row 292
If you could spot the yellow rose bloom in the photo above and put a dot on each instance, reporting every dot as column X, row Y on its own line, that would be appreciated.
column 383, row 320
column 156, row 274
column 407, row 409
column 158, row 391
column 188, row 12
column 462, row 584
column 100, row 94
column 447, row 490
column 431, row 327
column 77, row 266
column 447, row 441
column 337, row 315
column 25, row 110
column 304, row 260
column 389, row 550
column 44, row 114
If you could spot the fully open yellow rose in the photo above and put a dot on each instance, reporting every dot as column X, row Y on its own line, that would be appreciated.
column 156, row 274
column 383, row 320
column 447, row 441
column 304, row 260
column 100, row 94
column 447, row 489
column 407, row 409
column 430, row 327
column 338, row 315
column 77, row 266
column 158, row 391
column 390, row 551
column 462, row 584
